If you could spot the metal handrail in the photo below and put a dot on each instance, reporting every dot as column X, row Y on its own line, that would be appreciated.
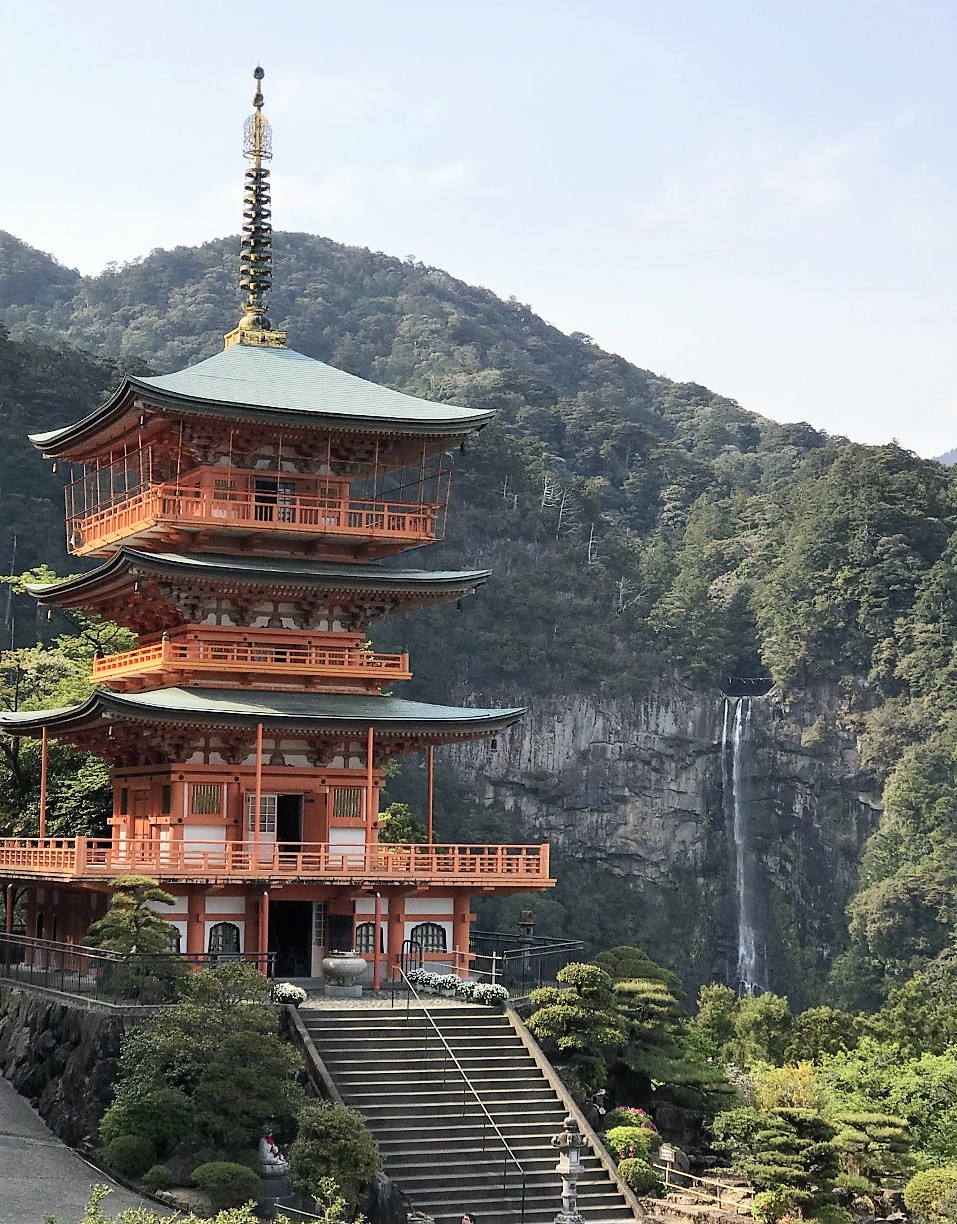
column 510, row 1154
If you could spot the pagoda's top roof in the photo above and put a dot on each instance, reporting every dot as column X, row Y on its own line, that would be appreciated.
column 275, row 386
column 277, row 711
column 261, row 572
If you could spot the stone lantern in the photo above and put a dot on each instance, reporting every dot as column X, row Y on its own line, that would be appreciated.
column 569, row 1143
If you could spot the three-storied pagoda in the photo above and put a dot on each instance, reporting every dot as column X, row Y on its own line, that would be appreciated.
column 242, row 508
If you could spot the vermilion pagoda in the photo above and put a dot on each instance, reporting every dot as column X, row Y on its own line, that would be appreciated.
column 242, row 507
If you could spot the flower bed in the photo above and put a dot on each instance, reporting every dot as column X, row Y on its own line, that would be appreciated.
column 462, row 988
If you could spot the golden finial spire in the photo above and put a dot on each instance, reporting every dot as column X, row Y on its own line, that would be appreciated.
column 255, row 260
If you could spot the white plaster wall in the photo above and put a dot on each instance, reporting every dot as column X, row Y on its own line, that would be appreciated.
column 429, row 905
column 222, row 904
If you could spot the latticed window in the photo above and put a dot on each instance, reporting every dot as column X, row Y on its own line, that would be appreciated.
column 430, row 936
column 365, row 937
column 206, row 799
column 174, row 936
column 268, row 807
column 224, row 939
column 319, row 924
column 347, row 802
column 224, row 490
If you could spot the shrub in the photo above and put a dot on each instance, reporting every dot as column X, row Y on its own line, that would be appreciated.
column 925, row 1190
column 130, row 1155
column 163, row 1116
column 830, row 1213
column 228, row 1184
column 639, row 1175
column 774, row 1205
column 158, row 1177
column 631, row 1141
column 628, row 1115
column 333, row 1141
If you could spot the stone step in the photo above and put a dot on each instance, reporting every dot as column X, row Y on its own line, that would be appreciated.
column 433, row 1066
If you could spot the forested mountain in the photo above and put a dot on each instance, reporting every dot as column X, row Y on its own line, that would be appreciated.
column 648, row 537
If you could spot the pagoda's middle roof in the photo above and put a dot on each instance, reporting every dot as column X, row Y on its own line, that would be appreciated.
column 272, row 386
column 263, row 572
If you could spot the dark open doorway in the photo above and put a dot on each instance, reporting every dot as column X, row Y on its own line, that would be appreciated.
column 290, row 937
column 289, row 823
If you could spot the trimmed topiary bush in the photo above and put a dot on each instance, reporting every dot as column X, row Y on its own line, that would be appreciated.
column 333, row 1141
column 158, row 1177
column 774, row 1205
column 130, row 1155
column 228, row 1184
column 925, row 1190
column 639, row 1175
column 830, row 1213
column 625, row 1142
column 163, row 1116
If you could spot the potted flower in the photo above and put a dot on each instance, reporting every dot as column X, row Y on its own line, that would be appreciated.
column 465, row 989
column 447, row 983
column 288, row 992
column 491, row 994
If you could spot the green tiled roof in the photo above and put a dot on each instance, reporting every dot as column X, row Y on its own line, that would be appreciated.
column 275, row 710
column 280, row 386
column 262, row 571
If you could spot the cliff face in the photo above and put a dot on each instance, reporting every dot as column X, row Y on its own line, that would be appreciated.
column 643, row 799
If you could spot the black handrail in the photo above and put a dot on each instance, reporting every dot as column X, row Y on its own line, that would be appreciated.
column 467, row 1083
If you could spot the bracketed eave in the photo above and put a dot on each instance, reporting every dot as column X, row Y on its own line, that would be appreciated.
column 268, row 386
column 277, row 711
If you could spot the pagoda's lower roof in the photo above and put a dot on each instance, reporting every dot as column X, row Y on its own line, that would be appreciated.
column 277, row 711
column 261, row 572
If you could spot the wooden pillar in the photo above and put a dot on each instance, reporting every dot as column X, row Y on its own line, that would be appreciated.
column 259, row 792
column 44, row 759
column 263, row 948
column 196, row 923
column 460, row 932
column 370, row 790
column 395, row 933
column 431, row 771
column 8, row 926
column 376, row 953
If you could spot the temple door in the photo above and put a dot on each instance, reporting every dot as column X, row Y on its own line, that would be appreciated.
column 141, row 826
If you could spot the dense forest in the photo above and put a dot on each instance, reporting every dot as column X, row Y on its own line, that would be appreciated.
column 638, row 529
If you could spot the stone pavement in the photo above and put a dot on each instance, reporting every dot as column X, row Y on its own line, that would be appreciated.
column 39, row 1174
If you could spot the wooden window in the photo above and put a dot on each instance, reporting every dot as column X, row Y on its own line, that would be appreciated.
column 166, row 800
column 124, row 800
column 224, row 939
column 347, row 802
column 430, row 936
column 268, row 807
column 319, row 924
column 365, row 937
column 206, row 799
column 224, row 490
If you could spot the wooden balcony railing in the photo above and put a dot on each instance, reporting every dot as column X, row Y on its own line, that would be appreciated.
column 352, row 665
column 79, row 859
column 177, row 506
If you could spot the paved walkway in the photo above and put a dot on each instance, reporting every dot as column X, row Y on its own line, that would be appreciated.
column 39, row 1174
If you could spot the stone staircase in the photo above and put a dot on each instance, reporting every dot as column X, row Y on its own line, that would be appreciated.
column 435, row 1140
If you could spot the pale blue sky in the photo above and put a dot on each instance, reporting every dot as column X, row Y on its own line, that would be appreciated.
column 760, row 197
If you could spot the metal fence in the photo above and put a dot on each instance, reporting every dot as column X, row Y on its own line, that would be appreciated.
column 109, row 977
column 521, row 962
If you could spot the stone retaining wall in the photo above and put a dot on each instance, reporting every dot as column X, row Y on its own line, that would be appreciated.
column 61, row 1055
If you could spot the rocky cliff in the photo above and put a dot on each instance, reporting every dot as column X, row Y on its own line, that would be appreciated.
column 637, row 798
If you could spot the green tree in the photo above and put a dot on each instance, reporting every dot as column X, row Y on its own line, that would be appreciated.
column 333, row 1142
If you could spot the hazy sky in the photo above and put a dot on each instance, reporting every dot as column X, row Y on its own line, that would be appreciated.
column 756, row 196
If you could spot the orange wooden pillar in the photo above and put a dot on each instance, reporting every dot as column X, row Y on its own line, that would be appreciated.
column 196, row 923
column 431, row 771
column 44, row 761
column 377, row 944
column 461, row 919
column 370, row 790
column 263, row 948
column 395, row 933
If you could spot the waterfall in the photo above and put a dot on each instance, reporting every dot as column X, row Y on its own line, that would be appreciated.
column 735, row 742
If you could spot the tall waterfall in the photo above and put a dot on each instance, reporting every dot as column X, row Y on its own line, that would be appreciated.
column 735, row 743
